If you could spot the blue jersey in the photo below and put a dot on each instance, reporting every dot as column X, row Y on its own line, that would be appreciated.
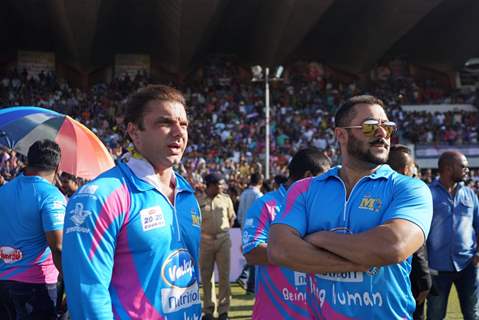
column 318, row 204
column 280, row 292
column 29, row 207
column 128, row 253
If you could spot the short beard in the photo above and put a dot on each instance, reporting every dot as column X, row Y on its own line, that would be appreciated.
column 354, row 150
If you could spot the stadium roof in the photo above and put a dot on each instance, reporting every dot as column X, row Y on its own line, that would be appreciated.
column 351, row 35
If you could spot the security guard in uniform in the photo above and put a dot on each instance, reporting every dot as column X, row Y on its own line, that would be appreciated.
column 218, row 216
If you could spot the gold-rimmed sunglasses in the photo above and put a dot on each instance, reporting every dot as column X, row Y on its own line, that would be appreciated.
column 370, row 126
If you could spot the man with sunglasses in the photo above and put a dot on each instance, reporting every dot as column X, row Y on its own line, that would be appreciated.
column 354, row 228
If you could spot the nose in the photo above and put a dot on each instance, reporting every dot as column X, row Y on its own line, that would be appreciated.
column 381, row 132
column 176, row 129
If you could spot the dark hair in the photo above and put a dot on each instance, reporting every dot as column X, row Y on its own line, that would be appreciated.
column 446, row 159
column 212, row 178
column 397, row 157
column 346, row 111
column 255, row 179
column 309, row 159
column 44, row 155
column 136, row 103
column 280, row 179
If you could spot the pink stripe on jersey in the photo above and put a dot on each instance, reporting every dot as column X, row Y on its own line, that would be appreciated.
column 291, row 313
column 118, row 202
column 262, row 306
column 265, row 218
column 127, row 284
column 329, row 313
column 325, row 311
column 297, row 189
column 38, row 272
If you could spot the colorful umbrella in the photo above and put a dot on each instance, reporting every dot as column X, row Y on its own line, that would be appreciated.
column 83, row 154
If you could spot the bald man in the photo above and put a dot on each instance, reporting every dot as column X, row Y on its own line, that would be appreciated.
column 452, row 242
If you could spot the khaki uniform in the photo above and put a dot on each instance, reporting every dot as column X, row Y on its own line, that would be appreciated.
column 215, row 247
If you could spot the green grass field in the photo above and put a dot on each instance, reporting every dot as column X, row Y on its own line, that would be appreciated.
column 242, row 305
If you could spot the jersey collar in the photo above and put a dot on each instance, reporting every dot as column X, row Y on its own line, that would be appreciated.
column 383, row 172
column 141, row 175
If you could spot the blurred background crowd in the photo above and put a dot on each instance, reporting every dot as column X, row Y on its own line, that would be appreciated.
column 227, row 121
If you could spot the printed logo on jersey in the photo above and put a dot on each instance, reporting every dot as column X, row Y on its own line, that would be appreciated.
column 152, row 218
column 175, row 299
column 248, row 222
column 299, row 279
column 371, row 204
column 78, row 217
column 178, row 270
column 247, row 237
column 195, row 218
column 342, row 276
column 10, row 255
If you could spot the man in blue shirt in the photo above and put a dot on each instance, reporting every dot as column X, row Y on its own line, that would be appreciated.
column 355, row 227
column 247, row 197
column 32, row 210
column 452, row 243
column 132, row 235
column 280, row 292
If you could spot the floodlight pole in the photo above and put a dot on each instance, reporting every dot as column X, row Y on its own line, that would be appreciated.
column 267, row 152
column 257, row 77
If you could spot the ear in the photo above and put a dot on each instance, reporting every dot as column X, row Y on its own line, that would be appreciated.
column 341, row 135
column 132, row 130
column 307, row 174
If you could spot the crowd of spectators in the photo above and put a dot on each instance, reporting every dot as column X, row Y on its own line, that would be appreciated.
column 226, row 112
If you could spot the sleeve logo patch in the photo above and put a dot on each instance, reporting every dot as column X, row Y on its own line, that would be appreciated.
column 195, row 218
column 58, row 205
column 152, row 218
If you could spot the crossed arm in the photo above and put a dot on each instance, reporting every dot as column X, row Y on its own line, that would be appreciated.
column 326, row 251
column 286, row 248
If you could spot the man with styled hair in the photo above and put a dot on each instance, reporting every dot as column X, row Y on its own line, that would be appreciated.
column 32, row 210
column 354, row 227
column 132, row 235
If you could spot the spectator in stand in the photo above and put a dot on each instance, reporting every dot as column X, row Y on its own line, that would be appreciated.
column 452, row 243
column 32, row 210
column 232, row 128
